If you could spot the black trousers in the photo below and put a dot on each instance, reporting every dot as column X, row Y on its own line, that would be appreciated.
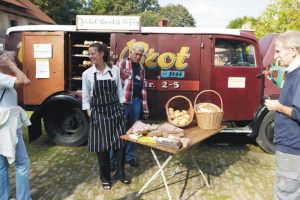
column 104, row 165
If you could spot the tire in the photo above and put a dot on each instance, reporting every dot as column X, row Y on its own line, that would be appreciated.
column 266, row 133
column 66, row 124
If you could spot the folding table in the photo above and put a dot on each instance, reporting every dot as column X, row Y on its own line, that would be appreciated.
column 195, row 134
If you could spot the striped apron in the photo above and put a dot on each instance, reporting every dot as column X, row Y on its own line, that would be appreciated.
column 107, row 121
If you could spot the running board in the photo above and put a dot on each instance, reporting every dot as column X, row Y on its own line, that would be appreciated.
column 246, row 130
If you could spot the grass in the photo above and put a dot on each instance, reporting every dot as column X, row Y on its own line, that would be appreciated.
column 235, row 166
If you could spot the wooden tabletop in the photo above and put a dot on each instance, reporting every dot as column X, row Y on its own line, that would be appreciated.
column 195, row 134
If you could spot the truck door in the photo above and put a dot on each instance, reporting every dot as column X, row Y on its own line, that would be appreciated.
column 149, row 60
column 43, row 58
column 235, row 65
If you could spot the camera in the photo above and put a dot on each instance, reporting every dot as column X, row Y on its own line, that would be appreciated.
column 10, row 54
column 3, row 63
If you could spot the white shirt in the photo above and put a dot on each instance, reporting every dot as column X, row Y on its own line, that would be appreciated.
column 10, row 96
column 88, row 83
column 294, row 65
column 11, row 119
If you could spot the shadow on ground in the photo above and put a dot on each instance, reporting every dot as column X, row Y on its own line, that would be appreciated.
column 72, row 172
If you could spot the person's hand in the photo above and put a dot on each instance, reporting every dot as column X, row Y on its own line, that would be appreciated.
column 272, row 105
column 89, row 112
column 145, row 115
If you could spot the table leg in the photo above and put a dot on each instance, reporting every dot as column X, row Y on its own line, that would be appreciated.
column 200, row 171
column 162, row 173
column 160, row 170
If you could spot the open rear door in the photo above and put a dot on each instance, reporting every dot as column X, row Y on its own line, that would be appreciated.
column 43, row 56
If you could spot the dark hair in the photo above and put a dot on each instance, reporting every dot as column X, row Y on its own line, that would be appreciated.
column 101, row 47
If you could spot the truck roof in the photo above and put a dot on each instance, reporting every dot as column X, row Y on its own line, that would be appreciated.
column 167, row 30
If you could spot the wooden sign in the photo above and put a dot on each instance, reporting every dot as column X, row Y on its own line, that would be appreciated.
column 108, row 23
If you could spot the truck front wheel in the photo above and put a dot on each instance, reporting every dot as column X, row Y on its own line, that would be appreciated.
column 66, row 125
column 266, row 133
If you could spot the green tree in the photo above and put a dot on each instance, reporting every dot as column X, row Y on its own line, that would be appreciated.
column 61, row 11
column 279, row 16
column 239, row 22
column 147, row 5
column 65, row 11
column 150, row 18
column 177, row 15
column 121, row 7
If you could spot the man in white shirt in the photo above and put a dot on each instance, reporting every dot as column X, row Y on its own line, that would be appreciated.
column 8, row 97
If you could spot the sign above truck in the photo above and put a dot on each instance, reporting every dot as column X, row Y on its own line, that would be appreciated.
column 108, row 23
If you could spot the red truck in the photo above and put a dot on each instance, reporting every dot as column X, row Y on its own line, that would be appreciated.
column 178, row 61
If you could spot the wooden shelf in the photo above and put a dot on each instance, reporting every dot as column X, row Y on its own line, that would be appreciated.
column 81, row 55
column 77, row 58
column 81, row 45
column 84, row 46
column 76, row 79
column 82, row 66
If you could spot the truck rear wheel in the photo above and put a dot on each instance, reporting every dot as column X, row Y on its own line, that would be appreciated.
column 66, row 125
column 266, row 133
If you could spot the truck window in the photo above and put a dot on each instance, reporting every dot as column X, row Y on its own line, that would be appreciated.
column 234, row 53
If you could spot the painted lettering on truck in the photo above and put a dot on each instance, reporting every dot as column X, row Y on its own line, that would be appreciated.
column 171, row 65
column 165, row 61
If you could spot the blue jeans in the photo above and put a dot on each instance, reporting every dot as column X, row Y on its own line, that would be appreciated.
column 132, row 112
column 22, row 172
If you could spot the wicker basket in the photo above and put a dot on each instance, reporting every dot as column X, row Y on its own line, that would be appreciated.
column 212, row 119
column 190, row 111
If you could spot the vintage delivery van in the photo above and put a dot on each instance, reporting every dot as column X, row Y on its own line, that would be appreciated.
column 181, row 61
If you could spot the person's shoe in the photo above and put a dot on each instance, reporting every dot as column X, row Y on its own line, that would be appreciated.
column 106, row 185
column 122, row 178
column 133, row 163
column 125, row 181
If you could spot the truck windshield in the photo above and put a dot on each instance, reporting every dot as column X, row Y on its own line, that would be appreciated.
column 234, row 53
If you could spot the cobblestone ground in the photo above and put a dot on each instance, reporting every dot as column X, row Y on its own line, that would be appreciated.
column 236, row 169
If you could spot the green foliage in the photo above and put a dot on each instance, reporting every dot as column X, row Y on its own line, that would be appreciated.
column 239, row 22
column 279, row 16
column 65, row 11
column 150, row 18
column 61, row 11
column 177, row 15
column 147, row 9
column 147, row 5
column 121, row 7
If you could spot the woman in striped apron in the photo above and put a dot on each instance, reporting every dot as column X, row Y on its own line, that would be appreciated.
column 101, row 98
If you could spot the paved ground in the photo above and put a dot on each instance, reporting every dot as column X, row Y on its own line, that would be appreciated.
column 236, row 168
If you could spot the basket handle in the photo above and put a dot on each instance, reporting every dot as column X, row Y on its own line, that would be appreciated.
column 221, row 101
column 178, row 96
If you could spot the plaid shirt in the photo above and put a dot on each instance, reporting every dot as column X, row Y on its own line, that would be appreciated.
column 126, row 80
